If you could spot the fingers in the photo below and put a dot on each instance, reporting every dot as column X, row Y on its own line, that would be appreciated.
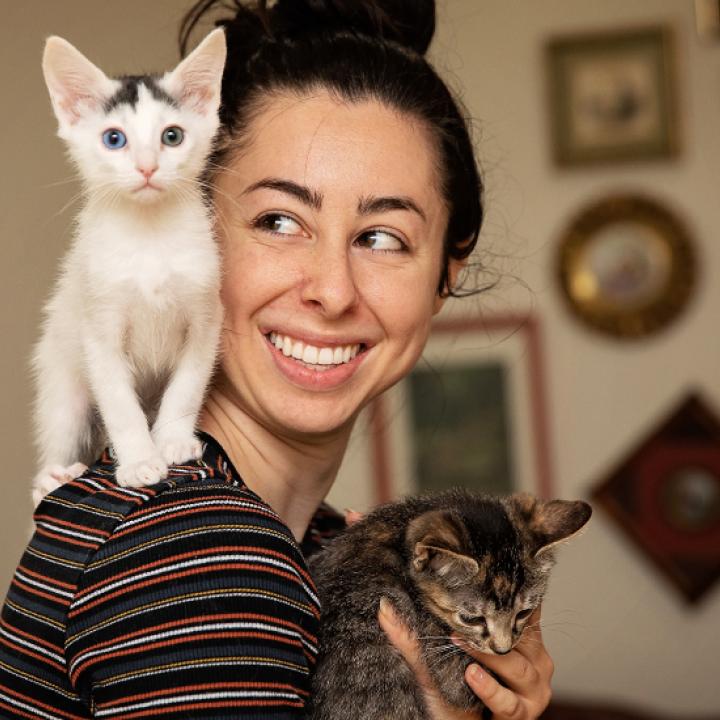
column 352, row 516
column 402, row 639
column 502, row 702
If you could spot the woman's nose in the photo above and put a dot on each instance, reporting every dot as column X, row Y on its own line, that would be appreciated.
column 329, row 280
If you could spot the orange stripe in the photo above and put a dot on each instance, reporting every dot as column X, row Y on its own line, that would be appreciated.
column 176, row 576
column 179, row 641
column 38, row 656
column 204, row 498
column 210, row 706
column 204, row 686
column 184, row 556
column 34, row 638
column 198, row 619
column 36, row 703
column 62, row 601
column 191, row 511
column 67, row 539
column 50, row 581
column 56, row 521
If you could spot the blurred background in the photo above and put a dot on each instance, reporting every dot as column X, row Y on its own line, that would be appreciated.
column 589, row 369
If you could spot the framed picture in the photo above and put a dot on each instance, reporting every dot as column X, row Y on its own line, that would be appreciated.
column 612, row 96
column 472, row 413
column 665, row 496
column 626, row 266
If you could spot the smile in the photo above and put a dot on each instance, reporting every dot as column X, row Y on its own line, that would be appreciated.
column 312, row 355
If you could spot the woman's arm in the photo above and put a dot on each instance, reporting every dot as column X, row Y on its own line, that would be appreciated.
column 197, row 606
column 526, row 671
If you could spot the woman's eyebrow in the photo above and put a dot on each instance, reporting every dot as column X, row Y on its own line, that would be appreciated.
column 370, row 205
column 304, row 194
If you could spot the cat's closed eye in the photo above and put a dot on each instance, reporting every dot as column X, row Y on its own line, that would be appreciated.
column 477, row 620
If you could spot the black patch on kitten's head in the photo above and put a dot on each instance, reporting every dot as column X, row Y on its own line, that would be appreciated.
column 128, row 93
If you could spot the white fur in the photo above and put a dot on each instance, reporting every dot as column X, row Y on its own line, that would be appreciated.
column 137, row 302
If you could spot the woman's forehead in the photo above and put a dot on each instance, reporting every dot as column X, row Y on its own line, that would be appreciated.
column 337, row 146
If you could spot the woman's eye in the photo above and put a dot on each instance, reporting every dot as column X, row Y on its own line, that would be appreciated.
column 279, row 224
column 114, row 139
column 523, row 614
column 382, row 241
column 472, row 619
column 172, row 136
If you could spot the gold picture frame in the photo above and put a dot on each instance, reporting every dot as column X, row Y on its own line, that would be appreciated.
column 612, row 96
column 627, row 266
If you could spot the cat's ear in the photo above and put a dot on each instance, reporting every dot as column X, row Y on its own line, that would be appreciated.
column 549, row 522
column 437, row 541
column 197, row 80
column 76, row 86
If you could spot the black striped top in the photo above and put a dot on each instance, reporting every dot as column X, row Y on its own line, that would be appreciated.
column 187, row 599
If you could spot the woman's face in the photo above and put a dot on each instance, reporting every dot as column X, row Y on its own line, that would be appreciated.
column 331, row 224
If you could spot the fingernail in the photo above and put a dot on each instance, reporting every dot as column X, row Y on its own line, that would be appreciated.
column 387, row 611
column 475, row 672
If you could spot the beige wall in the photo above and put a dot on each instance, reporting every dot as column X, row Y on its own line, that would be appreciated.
column 615, row 628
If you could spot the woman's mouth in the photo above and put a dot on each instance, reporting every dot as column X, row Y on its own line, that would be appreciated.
column 314, row 356
column 315, row 367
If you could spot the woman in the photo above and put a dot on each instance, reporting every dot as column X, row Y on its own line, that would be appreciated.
column 347, row 198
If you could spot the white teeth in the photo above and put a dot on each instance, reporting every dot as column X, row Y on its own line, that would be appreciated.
column 325, row 357
column 311, row 354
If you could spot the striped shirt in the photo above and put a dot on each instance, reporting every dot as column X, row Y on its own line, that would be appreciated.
column 187, row 599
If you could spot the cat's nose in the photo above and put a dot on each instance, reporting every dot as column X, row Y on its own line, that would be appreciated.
column 147, row 171
column 500, row 650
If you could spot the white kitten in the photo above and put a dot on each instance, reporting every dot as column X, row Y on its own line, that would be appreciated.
column 131, row 331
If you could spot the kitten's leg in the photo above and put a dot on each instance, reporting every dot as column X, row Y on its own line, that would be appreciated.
column 62, row 416
column 174, row 428
column 138, row 461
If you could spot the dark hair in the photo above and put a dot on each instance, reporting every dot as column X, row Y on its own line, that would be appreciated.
column 354, row 49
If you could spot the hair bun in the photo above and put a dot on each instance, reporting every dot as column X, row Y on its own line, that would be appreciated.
column 408, row 22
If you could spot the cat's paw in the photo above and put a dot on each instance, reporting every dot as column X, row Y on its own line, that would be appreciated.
column 52, row 477
column 179, row 449
column 146, row 472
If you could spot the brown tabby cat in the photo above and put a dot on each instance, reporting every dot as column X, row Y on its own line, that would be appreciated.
column 454, row 562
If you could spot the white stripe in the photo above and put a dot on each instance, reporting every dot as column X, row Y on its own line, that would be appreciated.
column 184, row 601
column 188, row 506
column 32, row 646
column 30, row 581
column 200, row 696
column 31, row 708
column 182, row 631
column 231, row 662
column 73, row 533
column 181, row 566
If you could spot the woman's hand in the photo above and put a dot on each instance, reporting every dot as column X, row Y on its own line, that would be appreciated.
column 526, row 670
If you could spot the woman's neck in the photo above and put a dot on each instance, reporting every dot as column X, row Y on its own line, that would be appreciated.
column 292, row 476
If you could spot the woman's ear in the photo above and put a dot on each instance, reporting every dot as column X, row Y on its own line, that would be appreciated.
column 454, row 268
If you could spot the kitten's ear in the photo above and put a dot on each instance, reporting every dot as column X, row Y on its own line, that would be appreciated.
column 549, row 522
column 437, row 542
column 76, row 85
column 197, row 80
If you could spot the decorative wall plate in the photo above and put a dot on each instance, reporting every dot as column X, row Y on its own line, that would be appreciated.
column 627, row 266
column 666, row 496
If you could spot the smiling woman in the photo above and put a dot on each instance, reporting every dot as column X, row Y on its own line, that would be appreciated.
column 346, row 198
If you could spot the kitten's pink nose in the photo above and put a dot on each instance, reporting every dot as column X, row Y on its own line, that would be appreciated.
column 147, row 172
column 501, row 650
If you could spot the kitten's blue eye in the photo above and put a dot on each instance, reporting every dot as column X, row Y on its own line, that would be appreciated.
column 172, row 136
column 114, row 139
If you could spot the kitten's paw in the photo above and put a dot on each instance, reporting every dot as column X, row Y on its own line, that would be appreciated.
column 145, row 472
column 52, row 477
column 179, row 449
